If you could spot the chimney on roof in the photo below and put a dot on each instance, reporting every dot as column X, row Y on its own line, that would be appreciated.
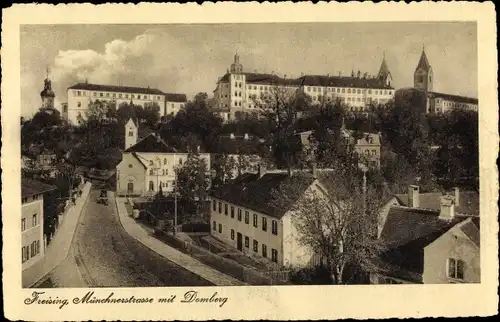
column 359, row 73
column 413, row 196
column 447, row 208
column 231, row 136
column 262, row 170
column 246, row 136
column 289, row 171
column 456, row 192
column 198, row 149
column 340, row 74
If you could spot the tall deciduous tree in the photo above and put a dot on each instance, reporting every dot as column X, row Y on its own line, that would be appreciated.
column 193, row 181
column 338, row 222
column 279, row 106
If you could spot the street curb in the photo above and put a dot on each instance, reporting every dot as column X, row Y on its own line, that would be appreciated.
column 120, row 220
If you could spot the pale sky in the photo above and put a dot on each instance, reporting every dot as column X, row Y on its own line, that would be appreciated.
column 189, row 58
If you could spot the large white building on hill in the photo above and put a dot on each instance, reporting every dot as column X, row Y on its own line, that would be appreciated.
column 81, row 95
column 236, row 92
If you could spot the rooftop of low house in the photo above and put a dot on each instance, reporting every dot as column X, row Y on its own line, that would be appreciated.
column 30, row 187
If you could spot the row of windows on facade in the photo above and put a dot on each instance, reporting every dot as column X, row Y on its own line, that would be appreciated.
column 114, row 95
column 456, row 104
column 26, row 199
column 274, row 223
column 34, row 222
column 274, row 252
column 30, row 251
column 350, row 90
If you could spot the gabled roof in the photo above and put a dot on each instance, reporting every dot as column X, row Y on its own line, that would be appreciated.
column 404, row 225
column 408, row 231
column 174, row 97
column 454, row 98
column 423, row 63
column 114, row 88
column 151, row 143
column 30, row 187
column 471, row 230
column 469, row 201
column 250, row 191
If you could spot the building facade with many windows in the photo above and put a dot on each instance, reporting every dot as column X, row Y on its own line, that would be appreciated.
column 148, row 164
column 242, row 216
column 81, row 95
column 237, row 92
column 32, row 240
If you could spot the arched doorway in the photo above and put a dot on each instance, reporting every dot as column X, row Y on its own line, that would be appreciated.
column 130, row 187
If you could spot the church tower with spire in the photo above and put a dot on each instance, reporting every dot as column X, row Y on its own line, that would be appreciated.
column 384, row 74
column 47, row 94
column 423, row 77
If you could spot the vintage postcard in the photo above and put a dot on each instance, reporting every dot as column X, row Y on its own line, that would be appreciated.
column 249, row 161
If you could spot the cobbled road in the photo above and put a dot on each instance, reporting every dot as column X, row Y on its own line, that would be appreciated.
column 104, row 255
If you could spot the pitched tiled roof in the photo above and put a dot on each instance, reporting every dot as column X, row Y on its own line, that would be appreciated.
column 174, row 97
column 472, row 231
column 30, row 187
column 151, row 143
column 404, row 225
column 114, row 88
column 341, row 81
column 454, row 98
column 250, row 191
column 469, row 201
column 313, row 80
column 407, row 232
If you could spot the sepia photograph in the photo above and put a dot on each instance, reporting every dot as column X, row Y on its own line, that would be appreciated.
column 207, row 155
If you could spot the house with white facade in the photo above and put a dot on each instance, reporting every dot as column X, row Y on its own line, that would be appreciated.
column 430, row 238
column 237, row 92
column 148, row 164
column 32, row 240
column 244, row 216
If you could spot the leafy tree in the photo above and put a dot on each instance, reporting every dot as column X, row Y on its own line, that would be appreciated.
column 338, row 224
column 195, row 121
column 457, row 142
column 279, row 107
column 224, row 166
column 151, row 113
column 193, row 181
column 125, row 112
column 97, row 111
